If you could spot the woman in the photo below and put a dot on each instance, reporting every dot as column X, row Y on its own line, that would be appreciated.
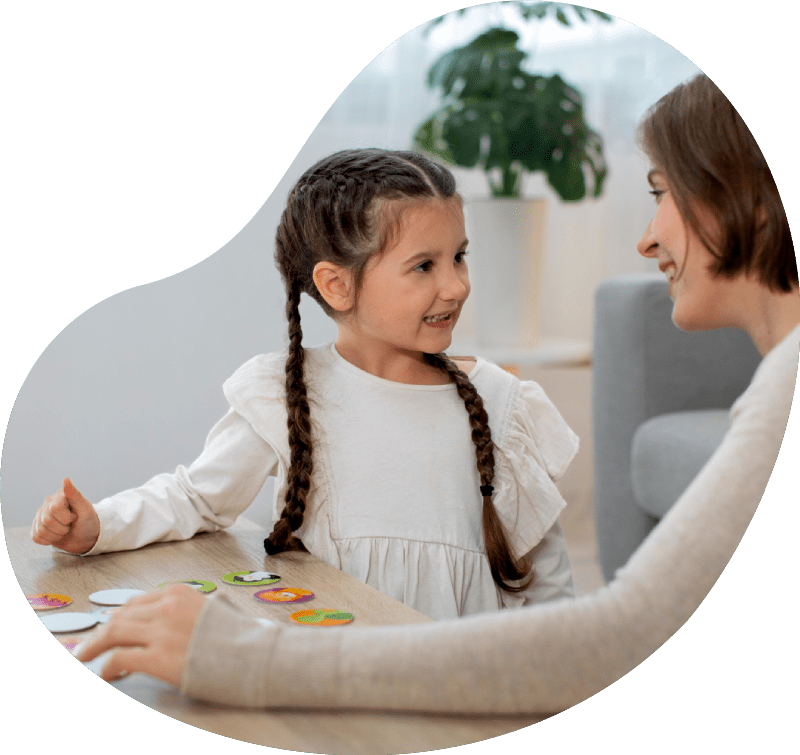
column 721, row 237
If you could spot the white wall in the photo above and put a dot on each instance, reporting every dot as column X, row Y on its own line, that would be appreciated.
column 131, row 387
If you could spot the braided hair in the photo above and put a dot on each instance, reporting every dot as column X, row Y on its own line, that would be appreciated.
column 344, row 210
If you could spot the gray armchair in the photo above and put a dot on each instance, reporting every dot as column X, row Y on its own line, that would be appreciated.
column 660, row 401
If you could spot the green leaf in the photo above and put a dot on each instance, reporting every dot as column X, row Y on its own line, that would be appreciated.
column 508, row 121
column 537, row 10
column 489, row 61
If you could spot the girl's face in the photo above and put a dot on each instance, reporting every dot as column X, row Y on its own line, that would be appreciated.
column 702, row 300
column 411, row 296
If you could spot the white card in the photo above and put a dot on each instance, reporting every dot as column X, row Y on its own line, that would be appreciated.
column 70, row 621
column 114, row 597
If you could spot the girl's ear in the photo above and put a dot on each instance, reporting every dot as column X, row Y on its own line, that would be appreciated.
column 335, row 285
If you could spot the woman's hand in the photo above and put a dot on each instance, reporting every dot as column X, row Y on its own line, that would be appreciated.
column 67, row 521
column 149, row 634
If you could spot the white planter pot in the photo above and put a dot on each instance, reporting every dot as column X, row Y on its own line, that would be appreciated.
column 506, row 261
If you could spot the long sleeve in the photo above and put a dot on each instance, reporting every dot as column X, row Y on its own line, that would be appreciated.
column 209, row 495
column 537, row 659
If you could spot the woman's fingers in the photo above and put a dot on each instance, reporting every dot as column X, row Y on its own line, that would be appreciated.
column 104, row 639
column 142, row 660
column 147, row 600
column 128, row 626
column 124, row 661
column 149, row 634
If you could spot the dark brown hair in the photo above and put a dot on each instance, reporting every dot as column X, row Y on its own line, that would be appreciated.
column 709, row 157
column 344, row 210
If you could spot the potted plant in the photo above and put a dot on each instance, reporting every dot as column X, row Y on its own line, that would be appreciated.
column 507, row 121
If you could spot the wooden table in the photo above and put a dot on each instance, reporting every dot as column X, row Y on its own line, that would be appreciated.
column 209, row 556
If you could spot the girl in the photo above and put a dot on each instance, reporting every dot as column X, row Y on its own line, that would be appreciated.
column 710, row 237
column 427, row 478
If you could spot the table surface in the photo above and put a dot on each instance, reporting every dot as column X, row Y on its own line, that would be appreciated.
column 548, row 352
column 207, row 557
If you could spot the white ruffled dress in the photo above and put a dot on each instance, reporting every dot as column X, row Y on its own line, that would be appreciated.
column 395, row 497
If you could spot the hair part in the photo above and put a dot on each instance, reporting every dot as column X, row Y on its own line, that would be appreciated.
column 710, row 159
column 346, row 209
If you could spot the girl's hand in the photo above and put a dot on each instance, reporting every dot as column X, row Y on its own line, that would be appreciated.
column 67, row 521
column 149, row 634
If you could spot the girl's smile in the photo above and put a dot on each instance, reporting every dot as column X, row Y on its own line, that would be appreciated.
column 440, row 321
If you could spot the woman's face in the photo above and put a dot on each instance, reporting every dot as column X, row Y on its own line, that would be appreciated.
column 702, row 300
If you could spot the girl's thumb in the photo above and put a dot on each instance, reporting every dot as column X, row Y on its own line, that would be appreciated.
column 74, row 497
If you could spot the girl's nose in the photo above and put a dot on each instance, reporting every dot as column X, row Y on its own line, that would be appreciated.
column 647, row 244
column 455, row 286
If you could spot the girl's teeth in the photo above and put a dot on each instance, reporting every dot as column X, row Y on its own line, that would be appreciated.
column 436, row 318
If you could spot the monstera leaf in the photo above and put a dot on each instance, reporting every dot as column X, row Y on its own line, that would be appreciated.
column 507, row 121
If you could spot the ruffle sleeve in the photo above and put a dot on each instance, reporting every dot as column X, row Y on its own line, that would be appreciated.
column 533, row 451
column 257, row 392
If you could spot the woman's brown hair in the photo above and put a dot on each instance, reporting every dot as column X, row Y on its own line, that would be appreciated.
column 699, row 141
column 344, row 210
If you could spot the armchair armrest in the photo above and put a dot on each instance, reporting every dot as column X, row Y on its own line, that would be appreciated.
column 645, row 366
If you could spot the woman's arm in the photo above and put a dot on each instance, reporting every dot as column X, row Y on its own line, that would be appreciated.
column 538, row 659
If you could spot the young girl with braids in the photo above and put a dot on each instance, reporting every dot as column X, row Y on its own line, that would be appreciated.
column 429, row 478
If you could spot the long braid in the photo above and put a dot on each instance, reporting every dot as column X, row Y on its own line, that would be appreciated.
column 504, row 567
column 301, row 462
column 344, row 210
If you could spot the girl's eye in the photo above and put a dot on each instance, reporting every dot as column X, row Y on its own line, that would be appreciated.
column 657, row 193
column 427, row 266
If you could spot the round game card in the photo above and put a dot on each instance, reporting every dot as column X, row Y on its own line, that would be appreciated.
column 71, row 621
column 198, row 584
column 253, row 578
column 284, row 595
column 114, row 597
column 44, row 601
column 325, row 617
